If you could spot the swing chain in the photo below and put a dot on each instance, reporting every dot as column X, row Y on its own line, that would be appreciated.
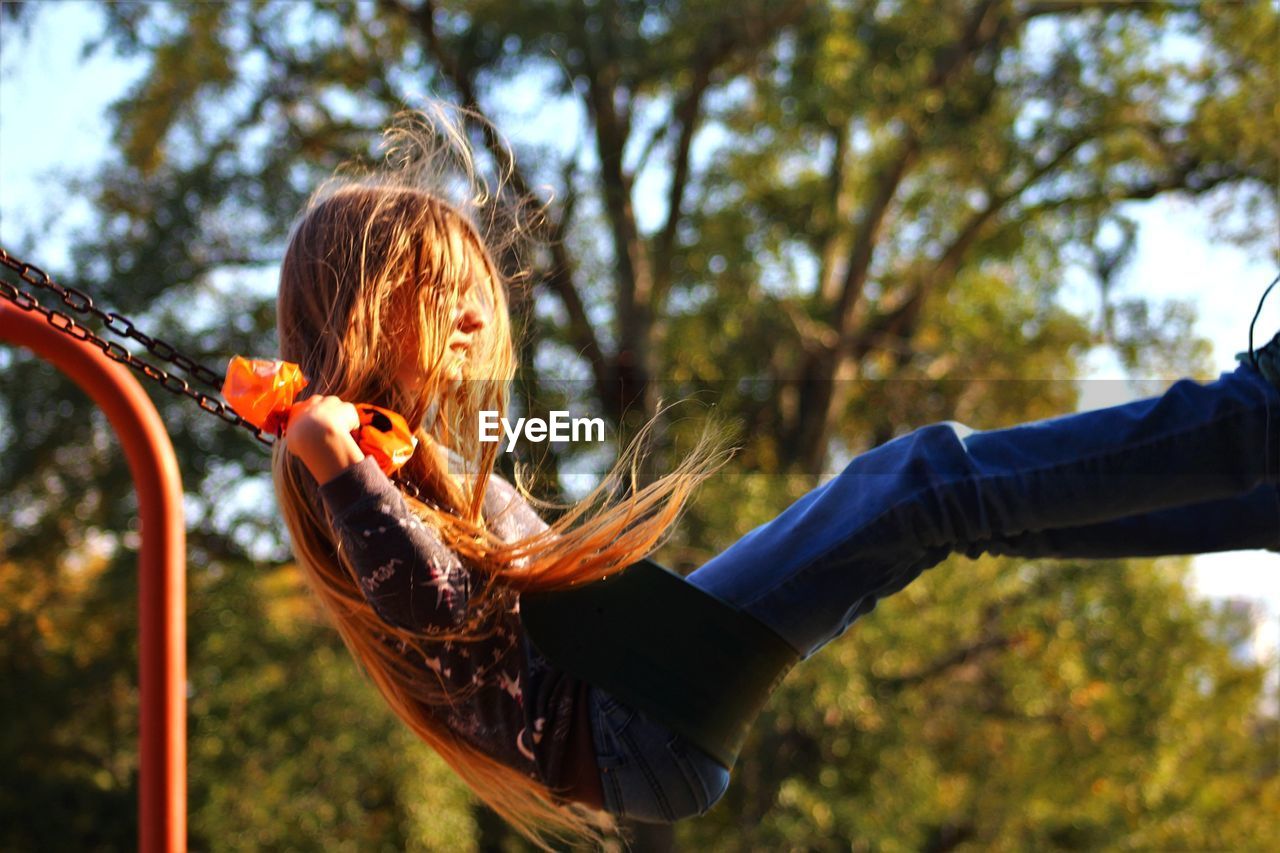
column 80, row 302
column 117, row 324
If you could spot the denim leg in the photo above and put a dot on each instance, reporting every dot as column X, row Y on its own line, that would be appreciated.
column 902, row 507
column 1251, row 521
column 647, row 772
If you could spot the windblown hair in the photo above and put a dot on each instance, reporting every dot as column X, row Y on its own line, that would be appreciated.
column 381, row 257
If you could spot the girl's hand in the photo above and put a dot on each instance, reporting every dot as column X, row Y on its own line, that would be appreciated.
column 319, row 433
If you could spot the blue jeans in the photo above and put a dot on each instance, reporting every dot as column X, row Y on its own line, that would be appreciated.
column 1194, row 470
column 647, row 772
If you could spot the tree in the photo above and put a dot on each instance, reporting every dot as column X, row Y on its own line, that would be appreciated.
column 836, row 220
column 287, row 746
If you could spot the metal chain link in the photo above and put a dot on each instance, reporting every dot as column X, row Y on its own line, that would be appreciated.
column 117, row 324
column 80, row 302
column 414, row 492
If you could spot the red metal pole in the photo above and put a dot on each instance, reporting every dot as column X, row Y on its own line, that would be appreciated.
column 162, row 656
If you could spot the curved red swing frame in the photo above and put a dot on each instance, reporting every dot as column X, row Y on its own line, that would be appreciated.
column 162, row 656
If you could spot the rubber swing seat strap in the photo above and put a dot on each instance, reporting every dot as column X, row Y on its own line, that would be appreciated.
column 696, row 664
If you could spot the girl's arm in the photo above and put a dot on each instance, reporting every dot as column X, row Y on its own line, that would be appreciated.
column 407, row 574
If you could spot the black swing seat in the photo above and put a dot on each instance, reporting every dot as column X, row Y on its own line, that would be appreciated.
column 700, row 666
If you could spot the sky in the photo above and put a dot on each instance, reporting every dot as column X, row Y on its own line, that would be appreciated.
column 52, row 117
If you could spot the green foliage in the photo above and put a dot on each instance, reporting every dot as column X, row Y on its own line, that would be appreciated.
column 289, row 747
column 834, row 221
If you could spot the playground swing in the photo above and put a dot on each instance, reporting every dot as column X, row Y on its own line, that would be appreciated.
column 645, row 621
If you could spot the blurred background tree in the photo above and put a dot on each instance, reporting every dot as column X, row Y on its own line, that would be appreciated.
column 836, row 221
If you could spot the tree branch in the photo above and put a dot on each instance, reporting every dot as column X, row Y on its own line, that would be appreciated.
column 630, row 384
column 1182, row 177
column 1071, row 7
column 898, row 324
column 559, row 278
column 687, row 114
column 732, row 41
column 838, row 201
column 981, row 30
column 868, row 231
column 949, row 662
column 954, row 254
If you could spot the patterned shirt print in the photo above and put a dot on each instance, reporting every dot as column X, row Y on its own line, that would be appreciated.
column 522, row 705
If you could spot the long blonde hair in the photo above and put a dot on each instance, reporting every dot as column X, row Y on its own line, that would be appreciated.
column 378, row 259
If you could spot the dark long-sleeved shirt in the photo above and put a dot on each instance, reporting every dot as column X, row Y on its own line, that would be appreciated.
column 525, row 712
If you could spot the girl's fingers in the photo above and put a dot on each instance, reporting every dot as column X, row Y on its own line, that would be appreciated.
column 319, row 414
column 319, row 434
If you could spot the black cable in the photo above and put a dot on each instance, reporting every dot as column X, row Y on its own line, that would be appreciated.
column 1256, row 314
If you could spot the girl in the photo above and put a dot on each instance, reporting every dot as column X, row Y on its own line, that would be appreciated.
column 390, row 295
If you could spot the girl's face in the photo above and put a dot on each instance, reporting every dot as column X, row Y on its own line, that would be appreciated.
column 470, row 316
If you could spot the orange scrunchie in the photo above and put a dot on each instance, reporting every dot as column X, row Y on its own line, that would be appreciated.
column 263, row 392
